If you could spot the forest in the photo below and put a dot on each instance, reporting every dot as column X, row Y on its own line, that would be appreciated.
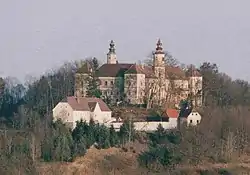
column 28, row 134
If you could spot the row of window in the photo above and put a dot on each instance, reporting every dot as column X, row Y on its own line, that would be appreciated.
column 191, row 121
column 109, row 93
column 106, row 83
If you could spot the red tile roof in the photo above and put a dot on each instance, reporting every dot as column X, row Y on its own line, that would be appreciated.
column 115, row 70
column 172, row 113
column 86, row 104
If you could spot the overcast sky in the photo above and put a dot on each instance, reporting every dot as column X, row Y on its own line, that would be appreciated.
column 36, row 35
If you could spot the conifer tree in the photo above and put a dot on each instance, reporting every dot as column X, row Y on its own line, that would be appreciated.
column 103, row 137
column 113, row 138
column 79, row 148
column 58, row 147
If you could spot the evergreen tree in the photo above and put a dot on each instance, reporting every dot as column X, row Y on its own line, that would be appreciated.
column 158, row 137
column 2, row 85
column 95, row 64
column 58, row 147
column 62, row 149
column 103, row 137
column 113, row 138
column 82, row 132
column 47, row 148
column 92, row 132
column 79, row 148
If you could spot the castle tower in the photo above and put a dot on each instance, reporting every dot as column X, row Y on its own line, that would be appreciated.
column 111, row 55
column 159, row 60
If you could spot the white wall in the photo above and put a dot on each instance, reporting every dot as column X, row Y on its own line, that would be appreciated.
column 194, row 118
column 63, row 111
column 101, row 116
column 147, row 126
column 78, row 115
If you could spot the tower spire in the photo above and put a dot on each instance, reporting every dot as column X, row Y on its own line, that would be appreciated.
column 159, row 60
column 159, row 48
column 112, row 46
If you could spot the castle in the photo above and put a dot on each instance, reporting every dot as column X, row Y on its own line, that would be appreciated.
column 143, row 84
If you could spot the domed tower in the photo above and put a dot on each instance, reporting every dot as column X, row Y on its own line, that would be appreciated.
column 111, row 55
column 159, row 60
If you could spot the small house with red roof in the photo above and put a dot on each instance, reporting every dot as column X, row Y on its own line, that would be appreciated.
column 73, row 109
column 172, row 115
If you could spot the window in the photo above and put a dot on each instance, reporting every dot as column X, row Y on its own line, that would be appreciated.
column 111, row 93
column 197, row 121
column 106, row 83
column 191, row 121
column 112, row 83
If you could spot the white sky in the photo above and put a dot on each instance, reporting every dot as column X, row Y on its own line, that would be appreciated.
column 36, row 35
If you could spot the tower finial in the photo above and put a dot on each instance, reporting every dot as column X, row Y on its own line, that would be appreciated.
column 159, row 48
column 112, row 46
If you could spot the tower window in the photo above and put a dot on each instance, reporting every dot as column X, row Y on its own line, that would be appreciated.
column 106, row 83
column 112, row 83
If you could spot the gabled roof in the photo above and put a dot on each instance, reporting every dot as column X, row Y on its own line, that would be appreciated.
column 141, row 69
column 92, row 106
column 175, row 72
column 118, row 70
column 172, row 113
column 135, row 69
column 113, row 70
column 85, row 104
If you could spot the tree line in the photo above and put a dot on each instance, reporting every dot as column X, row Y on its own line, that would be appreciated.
column 62, row 144
column 28, row 107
